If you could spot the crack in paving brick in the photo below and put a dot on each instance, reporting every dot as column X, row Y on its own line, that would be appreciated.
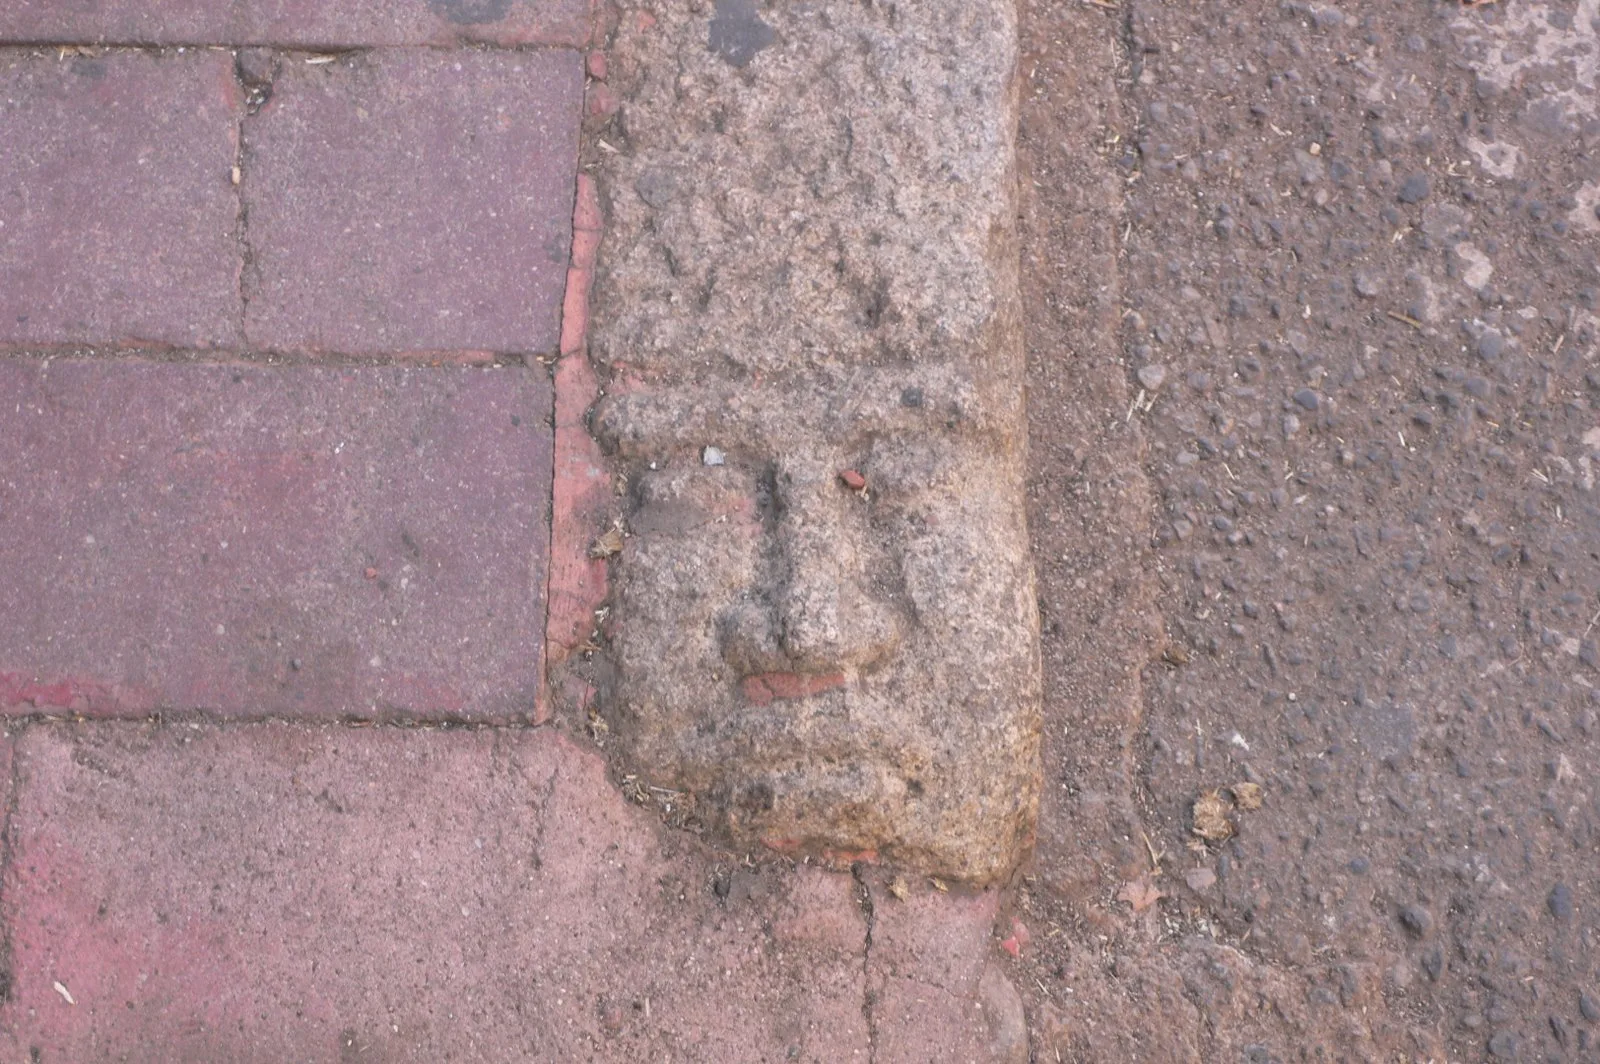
column 13, row 790
column 868, row 994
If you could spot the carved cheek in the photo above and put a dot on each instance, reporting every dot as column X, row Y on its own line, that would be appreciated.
column 940, row 567
column 685, row 563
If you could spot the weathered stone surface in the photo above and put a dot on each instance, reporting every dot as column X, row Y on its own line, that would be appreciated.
column 118, row 217
column 412, row 201
column 300, row 23
column 268, row 893
column 272, row 540
column 810, row 266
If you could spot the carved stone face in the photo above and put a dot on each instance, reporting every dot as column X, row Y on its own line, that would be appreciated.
column 829, row 668
column 810, row 264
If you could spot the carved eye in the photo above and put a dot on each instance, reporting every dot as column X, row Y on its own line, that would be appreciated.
column 678, row 499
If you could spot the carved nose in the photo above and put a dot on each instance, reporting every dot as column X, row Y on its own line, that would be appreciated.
column 827, row 616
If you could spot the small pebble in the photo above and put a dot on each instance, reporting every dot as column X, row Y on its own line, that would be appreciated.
column 1560, row 902
column 1589, row 1007
column 1490, row 344
column 1414, row 189
column 1503, row 1046
column 1307, row 398
column 713, row 456
column 852, row 479
column 1151, row 377
column 1416, row 919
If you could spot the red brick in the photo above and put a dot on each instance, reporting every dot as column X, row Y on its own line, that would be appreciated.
column 586, row 210
column 575, row 310
column 266, row 893
column 300, row 23
column 581, row 500
column 581, row 491
column 185, row 536
column 118, row 215
column 413, row 201
column 603, row 100
column 585, row 248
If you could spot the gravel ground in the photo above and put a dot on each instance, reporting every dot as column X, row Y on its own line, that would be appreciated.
column 1312, row 300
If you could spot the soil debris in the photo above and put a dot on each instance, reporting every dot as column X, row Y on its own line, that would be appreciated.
column 1247, row 796
column 1211, row 817
column 608, row 545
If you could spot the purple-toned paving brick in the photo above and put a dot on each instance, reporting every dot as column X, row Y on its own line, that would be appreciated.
column 118, row 214
column 259, row 541
column 265, row 893
column 415, row 201
column 299, row 23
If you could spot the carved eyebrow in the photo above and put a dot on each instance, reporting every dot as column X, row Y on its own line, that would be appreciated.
column 643, row 419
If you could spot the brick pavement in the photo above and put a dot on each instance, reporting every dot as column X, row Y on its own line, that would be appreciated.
column 300, row 23
column 408, row 201
column 120, row 225
column 360, row 542
column 292, row 389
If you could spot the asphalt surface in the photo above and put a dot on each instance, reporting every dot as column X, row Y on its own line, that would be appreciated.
column 1312, row 330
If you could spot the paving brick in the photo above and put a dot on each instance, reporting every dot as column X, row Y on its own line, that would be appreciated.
column 413, row 201
column 300, row 23
column 279, row 893
column 118, row 215
column 259, row 540
column 938, row 992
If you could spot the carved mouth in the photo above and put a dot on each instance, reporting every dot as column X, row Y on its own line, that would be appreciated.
column 764, row 688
